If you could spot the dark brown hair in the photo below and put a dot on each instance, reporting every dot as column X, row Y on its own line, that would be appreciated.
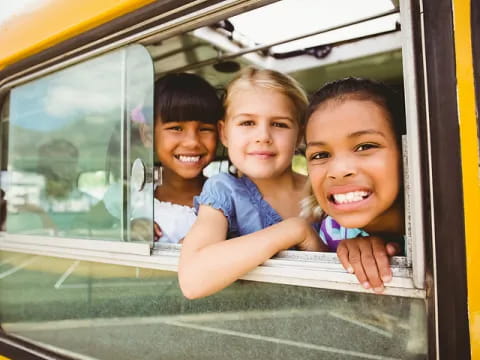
column 186, row 97
column 362, row 89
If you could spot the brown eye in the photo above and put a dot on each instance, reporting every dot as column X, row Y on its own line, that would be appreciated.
column 280, row 125
column 367, row 146
column 247, row 123
column 319, row 155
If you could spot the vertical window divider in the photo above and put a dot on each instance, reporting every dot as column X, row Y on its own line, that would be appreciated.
column 416, row 241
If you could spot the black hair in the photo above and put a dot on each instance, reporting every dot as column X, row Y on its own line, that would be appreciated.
column 186, row 97
column 362, row 89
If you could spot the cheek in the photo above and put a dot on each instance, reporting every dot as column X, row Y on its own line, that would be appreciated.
column 388, row 172
column 287, row 141
column 316, row 176
column 163, row 145
column 210, row 143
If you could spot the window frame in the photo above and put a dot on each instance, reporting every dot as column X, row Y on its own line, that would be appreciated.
column 287, row 268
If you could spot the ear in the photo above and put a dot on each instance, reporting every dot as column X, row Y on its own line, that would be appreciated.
column 222, row 131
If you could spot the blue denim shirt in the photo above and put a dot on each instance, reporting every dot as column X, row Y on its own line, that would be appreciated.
column 240, row 201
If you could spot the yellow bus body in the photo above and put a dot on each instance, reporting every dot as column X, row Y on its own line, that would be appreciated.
column 54, row 21
column 470, row 162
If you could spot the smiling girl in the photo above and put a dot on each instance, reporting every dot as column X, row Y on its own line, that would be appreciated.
column 353, row 137
column 262, row 127
column 186, row 113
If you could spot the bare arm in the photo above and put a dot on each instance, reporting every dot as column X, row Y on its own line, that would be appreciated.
column 208, row 263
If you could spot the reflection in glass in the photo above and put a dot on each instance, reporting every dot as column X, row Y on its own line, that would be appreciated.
column 134, row 313
column 65, row 127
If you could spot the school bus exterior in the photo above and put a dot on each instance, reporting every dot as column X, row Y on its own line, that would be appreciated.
column 89, row 287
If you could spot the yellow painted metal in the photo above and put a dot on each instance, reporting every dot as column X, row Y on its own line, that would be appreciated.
column 48, row 22
column 470, row 162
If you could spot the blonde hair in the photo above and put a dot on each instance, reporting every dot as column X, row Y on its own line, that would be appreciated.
column 273, row 80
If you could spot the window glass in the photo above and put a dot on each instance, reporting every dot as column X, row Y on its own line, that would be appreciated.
column 69, row 125
column 114, row 312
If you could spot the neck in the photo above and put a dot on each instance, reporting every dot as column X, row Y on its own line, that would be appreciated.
column 392, row 222
column 178, row 190
column 271, row 186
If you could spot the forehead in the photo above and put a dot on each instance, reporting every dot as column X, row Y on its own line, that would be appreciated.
column 250, row 98
column 341, row 118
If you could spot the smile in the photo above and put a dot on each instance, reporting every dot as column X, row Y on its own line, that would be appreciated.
column 188, row 159
column 262, row 154
column 349, row 197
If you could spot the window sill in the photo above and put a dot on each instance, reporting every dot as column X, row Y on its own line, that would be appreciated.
column 319, row 270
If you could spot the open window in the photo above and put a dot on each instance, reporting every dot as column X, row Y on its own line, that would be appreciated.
column 320, row 44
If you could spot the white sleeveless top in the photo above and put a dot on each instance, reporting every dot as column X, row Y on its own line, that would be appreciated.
column 174, row 220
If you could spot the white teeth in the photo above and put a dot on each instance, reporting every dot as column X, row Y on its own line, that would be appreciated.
column 350, row 197
column 188, row 159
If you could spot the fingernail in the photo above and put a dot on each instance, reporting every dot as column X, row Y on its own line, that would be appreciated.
column 350, row 269
column 366, row 285
column 378, row 289
column 387, row 278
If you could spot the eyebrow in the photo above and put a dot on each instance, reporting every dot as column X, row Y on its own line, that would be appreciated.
column 352, row 135
column 273, row 117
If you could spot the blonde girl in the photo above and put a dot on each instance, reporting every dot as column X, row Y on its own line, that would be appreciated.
column 262, row 127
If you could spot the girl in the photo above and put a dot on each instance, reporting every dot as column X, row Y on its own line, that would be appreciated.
column 353, row 142
column 186, row 113
column 261, row 129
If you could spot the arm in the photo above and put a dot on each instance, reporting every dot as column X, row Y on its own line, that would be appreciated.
column 368, row 258
column 208, row 263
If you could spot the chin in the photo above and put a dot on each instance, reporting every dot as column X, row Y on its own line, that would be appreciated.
column 353, row 221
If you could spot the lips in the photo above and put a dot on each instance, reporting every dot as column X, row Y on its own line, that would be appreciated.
column 262, row 154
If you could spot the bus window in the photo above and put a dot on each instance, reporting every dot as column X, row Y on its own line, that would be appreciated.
column 296, row 305
column 74, row 122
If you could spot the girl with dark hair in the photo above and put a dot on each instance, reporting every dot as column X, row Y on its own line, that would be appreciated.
column 186, row 113
column 353, row 150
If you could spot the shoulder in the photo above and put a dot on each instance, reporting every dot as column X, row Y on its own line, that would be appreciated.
column 222, row 179
column 217, row 192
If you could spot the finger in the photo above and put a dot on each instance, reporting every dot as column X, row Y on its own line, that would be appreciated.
column 157, row 230
column 393, row 248
column 370, row 265
column 355, row 259
column 382, row 260
column 342, row 253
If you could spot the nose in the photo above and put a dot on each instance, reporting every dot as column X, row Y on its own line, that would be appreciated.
column 341, row 166
column 191, row 138
column 263, row 133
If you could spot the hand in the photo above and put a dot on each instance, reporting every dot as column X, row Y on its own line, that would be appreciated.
column 311, row 240
column 157, row 232
column 368, row 258
column 141, row 230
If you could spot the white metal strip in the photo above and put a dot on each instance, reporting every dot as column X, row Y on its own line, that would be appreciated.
column 83, row 244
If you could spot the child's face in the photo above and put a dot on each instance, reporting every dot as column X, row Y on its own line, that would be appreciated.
column 260, row 132
column 185, row 147
column 353, row 162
